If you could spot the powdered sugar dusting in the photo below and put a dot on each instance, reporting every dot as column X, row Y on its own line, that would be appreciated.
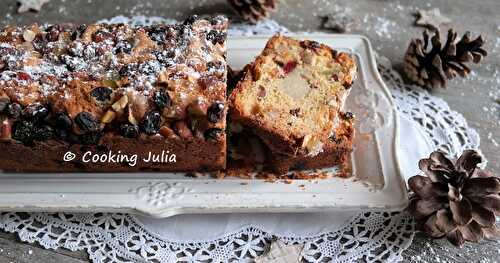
column 56, row 55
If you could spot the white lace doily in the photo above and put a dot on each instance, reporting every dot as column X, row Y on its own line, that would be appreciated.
column 370, row 236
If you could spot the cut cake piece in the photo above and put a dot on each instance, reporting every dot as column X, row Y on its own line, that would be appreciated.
column 336, row 151
column 247, row 150
column 291, row 95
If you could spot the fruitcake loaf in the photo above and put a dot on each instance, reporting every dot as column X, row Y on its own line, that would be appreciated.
column 291, row 95
column 114, row 91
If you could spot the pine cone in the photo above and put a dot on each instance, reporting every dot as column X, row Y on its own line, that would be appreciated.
column 458, row 200
column 430, row 65
column 253, row 10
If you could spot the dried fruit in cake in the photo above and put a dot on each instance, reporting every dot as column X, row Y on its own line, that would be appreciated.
column 87, row 122
column 151, row 122
column 292, row 93
column 102, row 84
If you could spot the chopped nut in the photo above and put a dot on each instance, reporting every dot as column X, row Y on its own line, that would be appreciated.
column 6, row 131
column 108, row 117
column 262, row 92
column 167, row 132
column 312, row 144
column 29, row 35
column 110, row 83
column 198, row 108
column 182, row 130
column 163, row 77
column 174, row 112
column 138, row 104
column 120, row 104
column 131, row 117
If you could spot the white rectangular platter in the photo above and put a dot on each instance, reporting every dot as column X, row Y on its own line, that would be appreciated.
column 377, row 183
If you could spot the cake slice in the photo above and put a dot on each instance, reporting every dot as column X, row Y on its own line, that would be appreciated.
column 336, row 151
column 247, row 150
column 291, row 95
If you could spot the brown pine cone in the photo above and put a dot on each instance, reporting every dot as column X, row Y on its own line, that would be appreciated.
column 456, row 200
column 253, row 10
column 431, row 64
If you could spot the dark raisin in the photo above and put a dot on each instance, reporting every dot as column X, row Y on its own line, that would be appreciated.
column 215, row 66
column 151, row 122
column 295, row 112
column 262, row 92
column 22, row 131
column 162, row 99
column 4, row 102
column 5, row 51
column 190, row 20
column 43, row 133
column 335, row 53
column 165, row 57
column 90, row 138
column 101, row 93
column 127, row 70
column 73, row 63
column 12, row 64
column 63, row 121
column 36, row 113
column 157, row 34
column 309, row 44
column 52, row 36
column 333, row 138
column 347, row 85
column 216, row 20
column 40, row 43
column 348, row 115
column 216, row 36
column 78, row 32
column 87, row 122
column 123, row 47
column 129, row 130
column 213, row 134
column 14, row 110
column 215, row 112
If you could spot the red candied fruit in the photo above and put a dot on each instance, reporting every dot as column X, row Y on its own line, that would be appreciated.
column 289, row 66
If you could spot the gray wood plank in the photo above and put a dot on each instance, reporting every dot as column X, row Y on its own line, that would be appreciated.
column 11, row 250
column 13, row 238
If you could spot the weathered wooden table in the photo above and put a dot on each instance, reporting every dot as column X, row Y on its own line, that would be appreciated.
column 388, row 24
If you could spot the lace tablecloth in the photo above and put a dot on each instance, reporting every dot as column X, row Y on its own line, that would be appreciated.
column 323, row 237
